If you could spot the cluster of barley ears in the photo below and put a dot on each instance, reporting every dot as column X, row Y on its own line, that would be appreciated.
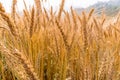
column 46, row 45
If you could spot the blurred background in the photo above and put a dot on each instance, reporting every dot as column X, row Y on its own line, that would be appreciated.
column 110, row 7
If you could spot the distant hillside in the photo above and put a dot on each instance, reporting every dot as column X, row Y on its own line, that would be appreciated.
column 111, row 7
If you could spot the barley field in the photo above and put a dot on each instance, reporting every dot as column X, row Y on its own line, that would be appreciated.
column 44, row 45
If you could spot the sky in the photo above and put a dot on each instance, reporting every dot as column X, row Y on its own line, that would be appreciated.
column 49, row 3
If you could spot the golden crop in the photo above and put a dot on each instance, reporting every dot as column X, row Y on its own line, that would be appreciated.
column 42, row 45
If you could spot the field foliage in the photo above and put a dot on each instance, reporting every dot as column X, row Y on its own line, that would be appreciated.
column 47, row 45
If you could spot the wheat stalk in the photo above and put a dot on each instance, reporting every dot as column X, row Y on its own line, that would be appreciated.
column 29, row 70
column 63, row 35
column 14, row 2
column 2, row 8
column 61, row 9
column 10, row 23
column 32, row 22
